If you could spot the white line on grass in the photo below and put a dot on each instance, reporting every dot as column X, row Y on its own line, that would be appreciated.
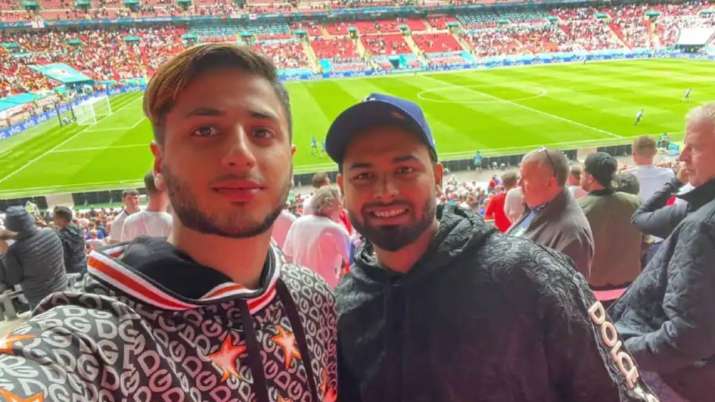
column 42, row 155
column 554, row 116
column 103, row 130
column 85, row 149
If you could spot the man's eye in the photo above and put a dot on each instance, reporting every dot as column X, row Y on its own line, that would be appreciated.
column 405, row 170
column 262, row 133
column 362, row 176
column 206, row 131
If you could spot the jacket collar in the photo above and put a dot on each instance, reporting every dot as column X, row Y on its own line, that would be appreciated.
column 206, row 286
column 551, row 208
column 699, row 196
column 605, row 191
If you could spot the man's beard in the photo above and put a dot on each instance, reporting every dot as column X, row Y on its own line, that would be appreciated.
column 395, row 237
column 233, row 225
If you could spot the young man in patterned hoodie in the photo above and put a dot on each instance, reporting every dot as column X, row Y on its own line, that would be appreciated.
column 213, row 313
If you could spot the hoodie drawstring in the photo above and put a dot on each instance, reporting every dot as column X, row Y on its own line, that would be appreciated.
column 260, row 388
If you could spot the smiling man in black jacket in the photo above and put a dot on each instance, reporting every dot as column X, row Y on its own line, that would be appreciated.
column 439, row 306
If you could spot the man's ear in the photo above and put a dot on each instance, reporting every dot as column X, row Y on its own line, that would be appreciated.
column 159, row 181
column 438, row 170
column 339, row 181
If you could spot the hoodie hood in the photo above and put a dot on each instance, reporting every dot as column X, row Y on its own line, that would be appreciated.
column 154, row 271
column 460, row 232
column 20, row 221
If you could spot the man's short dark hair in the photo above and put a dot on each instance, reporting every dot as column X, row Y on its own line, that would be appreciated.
column 645, row 146
column 149, row 183
column 63, row 213
column 602, row 166
column 627, row 183
column 128, row 192
column 175, row 75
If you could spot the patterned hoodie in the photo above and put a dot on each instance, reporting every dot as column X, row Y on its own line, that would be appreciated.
column 153, row 325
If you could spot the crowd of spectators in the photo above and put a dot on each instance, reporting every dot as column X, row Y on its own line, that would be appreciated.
column 123, row 53
column 285, row 53
column 102, row 55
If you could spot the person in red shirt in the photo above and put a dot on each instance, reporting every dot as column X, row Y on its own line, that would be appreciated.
column 495, row 207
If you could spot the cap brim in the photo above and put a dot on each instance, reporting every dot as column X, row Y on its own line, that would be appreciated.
column 359, row 118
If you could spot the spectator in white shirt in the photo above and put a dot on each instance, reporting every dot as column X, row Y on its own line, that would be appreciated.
column 130, row 199
column 319, row 180
column 319, row 241
column 650, row 177
column 154, row 221
column 281, row 226
column 514, row 204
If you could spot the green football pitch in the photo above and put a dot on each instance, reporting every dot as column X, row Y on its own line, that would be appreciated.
column 499, row 111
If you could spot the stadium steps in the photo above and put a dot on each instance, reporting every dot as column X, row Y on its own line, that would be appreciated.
column 465, row 44
column 415, row 49
column 312, row 58
column 361, row 50
column 618, row 33
column 462, row 44
column 652, row 34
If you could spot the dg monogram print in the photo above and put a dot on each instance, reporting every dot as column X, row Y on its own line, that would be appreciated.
column 104, row 345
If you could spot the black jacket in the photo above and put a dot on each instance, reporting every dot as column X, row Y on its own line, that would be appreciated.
column 668, row 314
column 654, row 217
column 73, row 246
column 35, row 260
column 481, row 317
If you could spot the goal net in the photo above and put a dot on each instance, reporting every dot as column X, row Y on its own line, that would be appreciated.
column 91, row 110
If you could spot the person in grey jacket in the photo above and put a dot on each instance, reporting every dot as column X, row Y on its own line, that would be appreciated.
column 553, row 217
column 668, row 314
column 34, row 260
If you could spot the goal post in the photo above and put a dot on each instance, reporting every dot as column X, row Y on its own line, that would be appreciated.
column 93, row 109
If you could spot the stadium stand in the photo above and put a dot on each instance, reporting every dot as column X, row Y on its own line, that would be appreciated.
column 120, row 53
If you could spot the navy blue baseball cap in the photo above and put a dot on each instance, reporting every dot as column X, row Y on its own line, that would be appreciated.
column 377, row 110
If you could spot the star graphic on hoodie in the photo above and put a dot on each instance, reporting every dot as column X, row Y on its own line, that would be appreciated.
column 8, row 396
column 226, row 357
column 328, row 393
column 7, row 341
column 286, row 340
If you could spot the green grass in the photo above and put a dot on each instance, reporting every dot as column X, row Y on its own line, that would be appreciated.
column 497, row 111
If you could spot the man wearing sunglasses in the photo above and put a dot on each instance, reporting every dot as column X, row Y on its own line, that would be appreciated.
column 553, row 217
